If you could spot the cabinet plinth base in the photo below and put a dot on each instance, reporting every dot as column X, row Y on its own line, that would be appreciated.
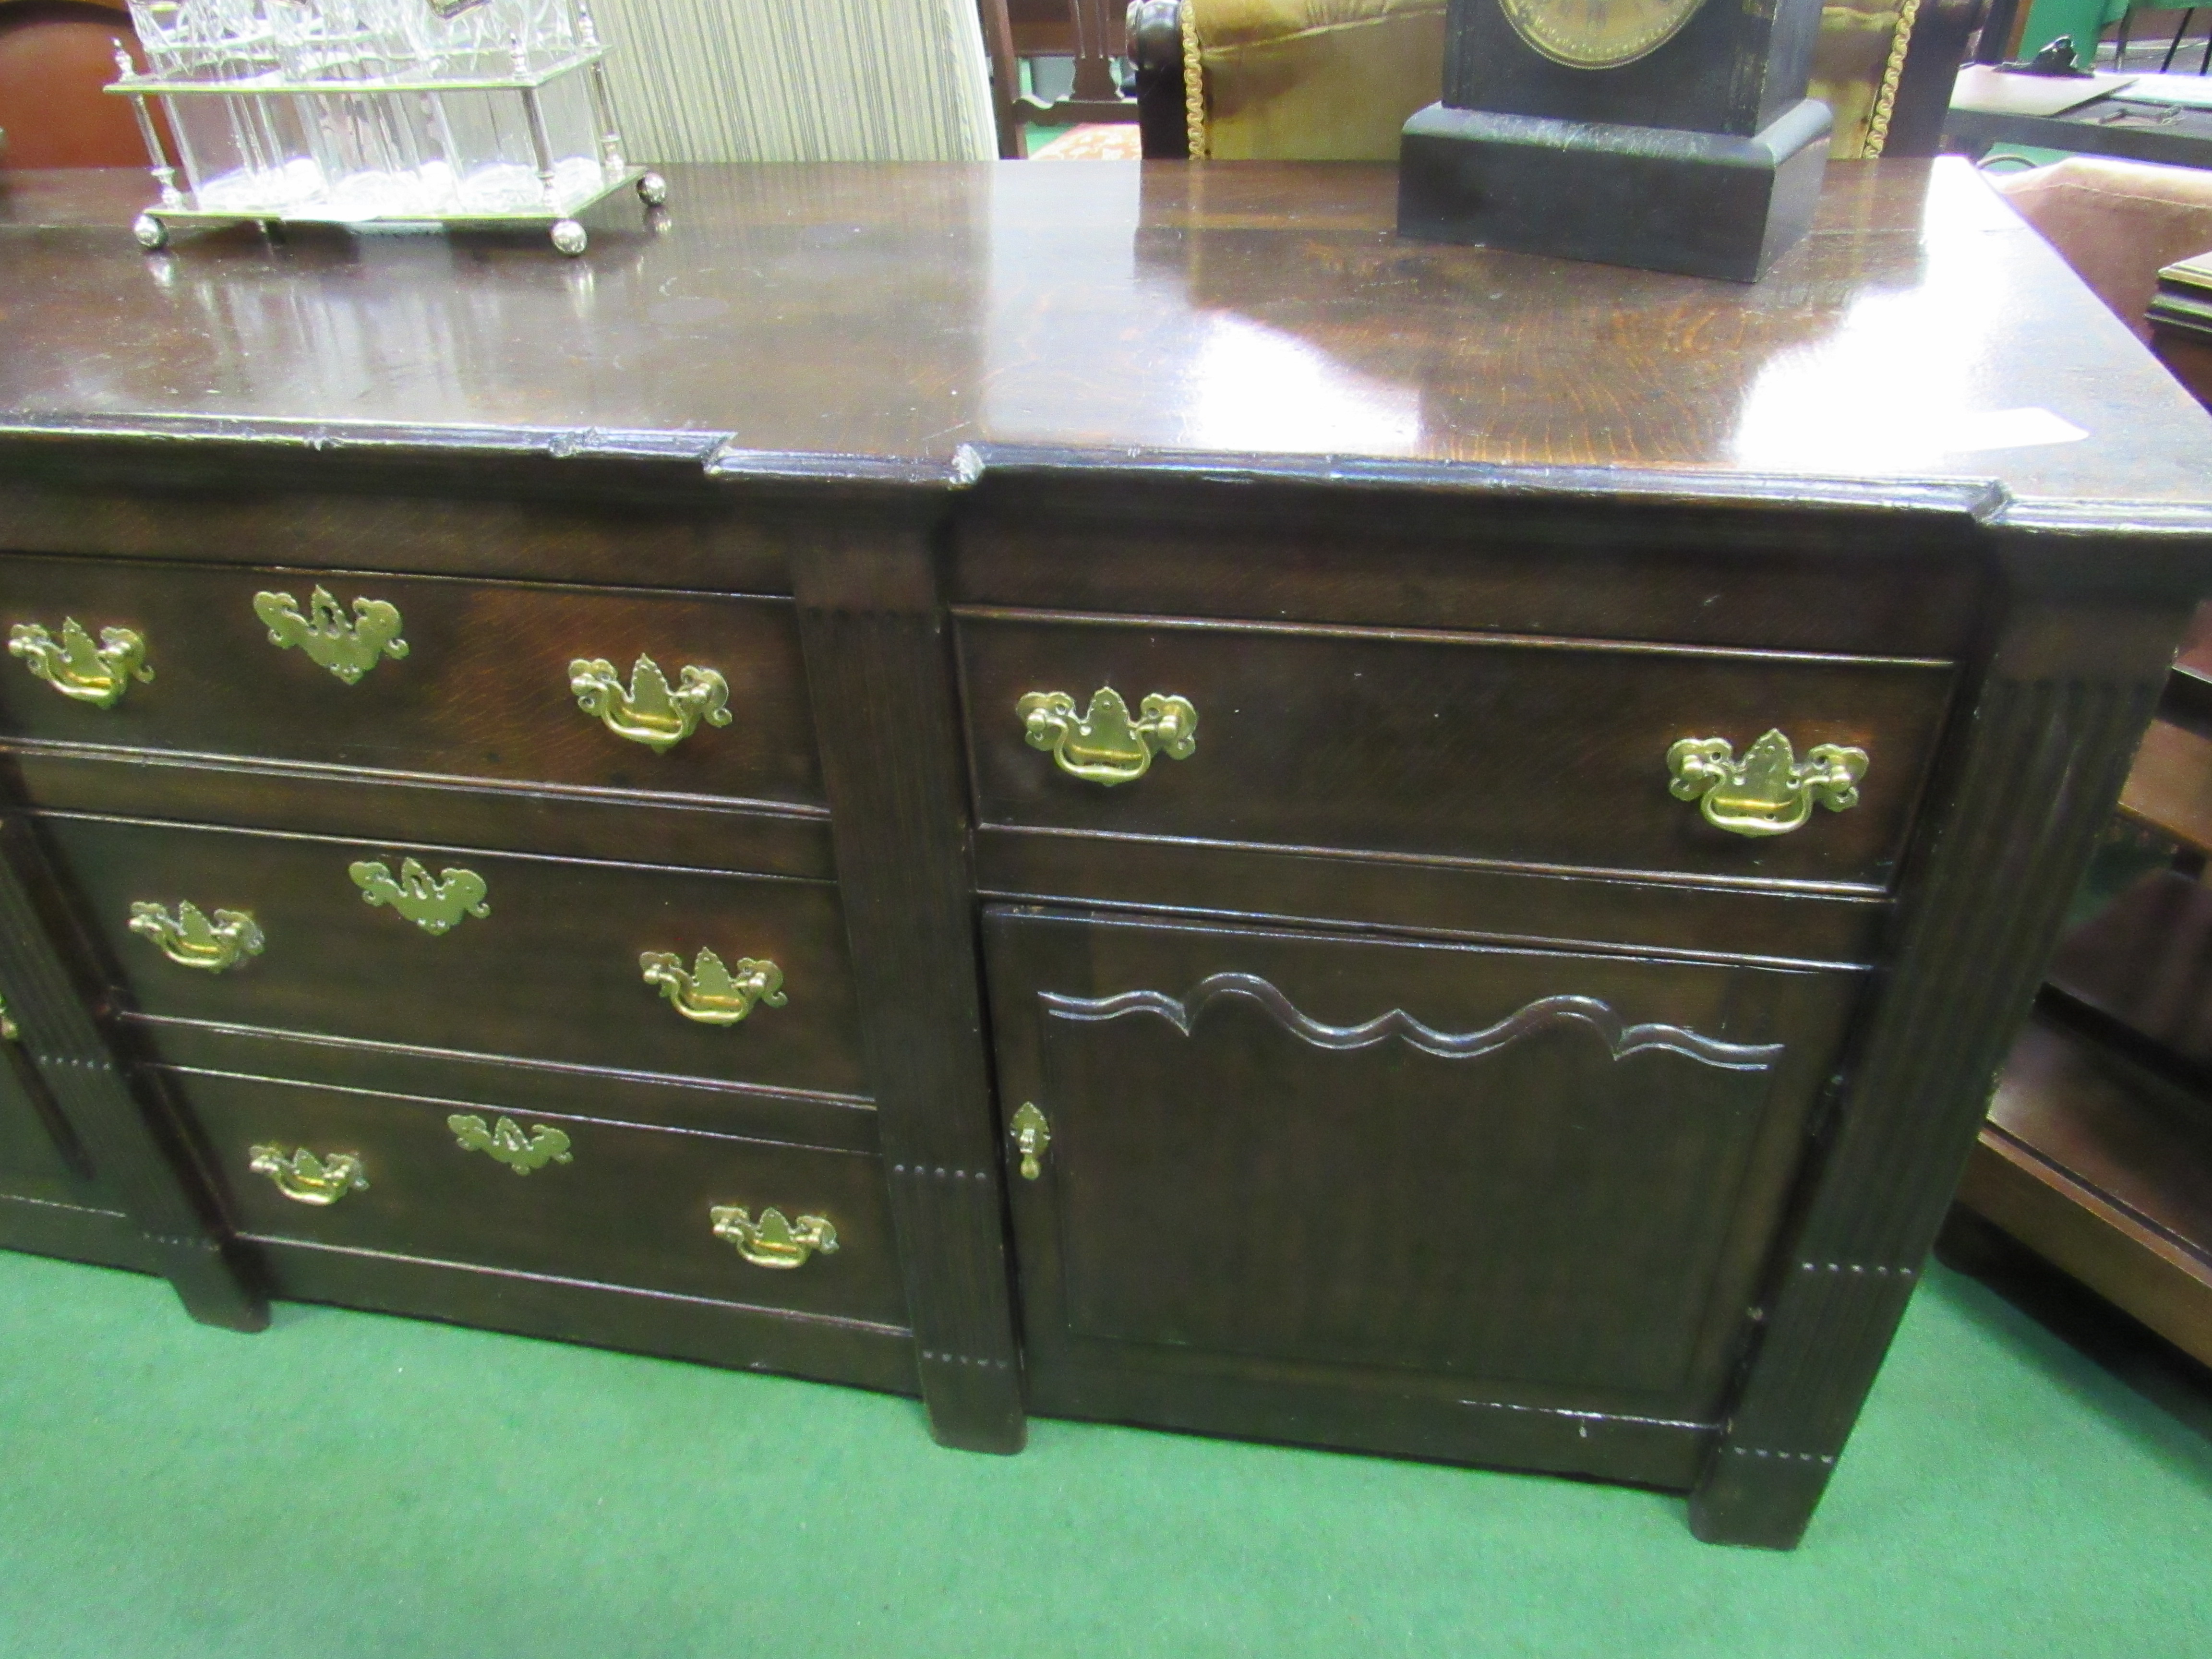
column 1699, row 204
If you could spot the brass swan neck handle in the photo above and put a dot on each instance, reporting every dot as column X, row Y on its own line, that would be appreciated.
column 1770, row 792
column 648, row 710
column 307, row 1179
column 78, row 669
column 1103, row 745
column 190, row 939
column 773, row 1241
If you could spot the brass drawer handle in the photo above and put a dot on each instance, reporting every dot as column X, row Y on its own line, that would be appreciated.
column 348, row 649
column 305, row 1179
column 1770, row 792
column 773, row 1242
column 191, row 940
column 436, row 907
column 506, row 1144
column 78, row 669
column 1105, row 746
column 1032, row 1135
column 710, row 993
column 648, row 712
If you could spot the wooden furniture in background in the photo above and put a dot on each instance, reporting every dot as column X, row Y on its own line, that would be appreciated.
column 1140, row 612
column 1092, row 33
column 2097, row 1151
column 55, row 57
column 2179, row 316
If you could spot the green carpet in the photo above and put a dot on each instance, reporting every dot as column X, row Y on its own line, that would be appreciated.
column 347, row 1484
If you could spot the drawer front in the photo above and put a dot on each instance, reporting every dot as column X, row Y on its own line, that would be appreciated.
column 551, row 970
column 574, row 1197
column 482, row 690
column 1541, row 752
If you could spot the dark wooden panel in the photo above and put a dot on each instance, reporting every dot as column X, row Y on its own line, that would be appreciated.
column 104, row 1236
column 40, row 1156
column 1391, row 1411
column 1061, row 539
column 1420, row 897
column 483, row 690
column 2026, row 787
column 841, row 311
column 1537, row 751
column 537, row 518
column 569, row 1310
column 134, row 1145
column 720, row 1106
column 880, row 662
column 1549, row 1176
column 630, row 1207
column 550, row 973
column 334, row 800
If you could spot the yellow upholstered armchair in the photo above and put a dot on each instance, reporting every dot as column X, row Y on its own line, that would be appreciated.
column 1334, row 80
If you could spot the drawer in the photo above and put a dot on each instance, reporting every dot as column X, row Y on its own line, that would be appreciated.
column 605, row 1202
column 549, row 971
column 1531, row 751
column 483, row 690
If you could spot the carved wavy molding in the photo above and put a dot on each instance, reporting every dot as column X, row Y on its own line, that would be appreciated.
column 1621, row 1038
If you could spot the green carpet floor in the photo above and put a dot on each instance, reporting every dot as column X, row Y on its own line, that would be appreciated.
column 347, row 1484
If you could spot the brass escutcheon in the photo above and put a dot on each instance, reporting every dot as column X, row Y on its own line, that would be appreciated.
column 710, row 993
column 348, row 649
column 1105, row 746
column 506, row 1144
column 773, row 1242
column 1032, row 1135
column 436, row 907
column 191, row 940
column 1770, row 792
column 305, row 1179
column 648, row 712
column 78, row 669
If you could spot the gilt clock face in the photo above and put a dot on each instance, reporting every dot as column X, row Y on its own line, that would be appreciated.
column 1597, row 33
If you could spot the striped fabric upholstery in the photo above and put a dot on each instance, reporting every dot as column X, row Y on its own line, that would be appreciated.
column 799, row 79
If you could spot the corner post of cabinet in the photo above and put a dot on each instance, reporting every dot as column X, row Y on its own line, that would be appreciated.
column 2031, row 768
column 140, row 1159
column 880, row 673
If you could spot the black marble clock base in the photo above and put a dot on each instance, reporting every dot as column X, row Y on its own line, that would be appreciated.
column 1703, row 203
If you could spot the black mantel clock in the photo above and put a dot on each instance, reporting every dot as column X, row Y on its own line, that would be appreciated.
column 1672, row 135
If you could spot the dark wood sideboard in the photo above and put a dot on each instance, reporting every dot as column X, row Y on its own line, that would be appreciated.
column 1085, row 790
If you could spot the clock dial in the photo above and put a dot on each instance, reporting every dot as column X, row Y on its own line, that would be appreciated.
column 1597, row 33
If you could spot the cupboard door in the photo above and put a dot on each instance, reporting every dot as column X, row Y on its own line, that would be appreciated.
column 1502, row 1205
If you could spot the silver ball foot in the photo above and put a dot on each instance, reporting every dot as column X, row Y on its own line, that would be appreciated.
column 653, row 190
column 569, row 238
column 151, row 232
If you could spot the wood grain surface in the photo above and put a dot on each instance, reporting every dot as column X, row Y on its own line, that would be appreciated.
column 1493, row 748
column 1251, row 310
column 1523, row 1177
column 482, row 690
column 550, row 973
column 629, row 1206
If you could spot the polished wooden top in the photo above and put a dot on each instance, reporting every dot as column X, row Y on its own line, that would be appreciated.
column 933, row 319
